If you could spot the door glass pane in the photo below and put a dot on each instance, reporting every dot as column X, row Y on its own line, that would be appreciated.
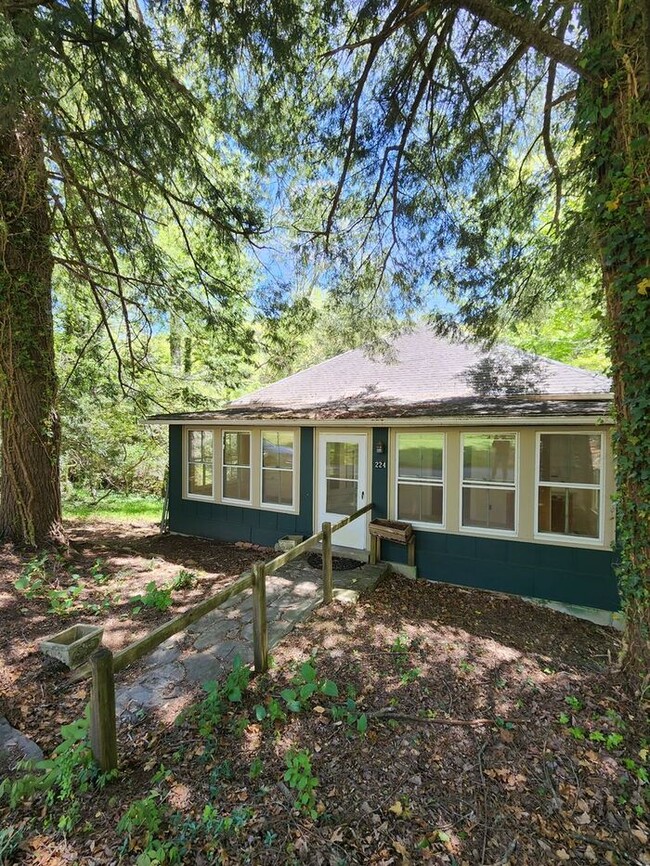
column 342, row 460
column 489, row 508
column 489, row 457
column 420, row 455
column 341, row 496
column 563, row 511
column 569, row 458
column 420, row 502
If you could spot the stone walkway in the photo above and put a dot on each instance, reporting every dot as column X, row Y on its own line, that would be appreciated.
column 291, row 595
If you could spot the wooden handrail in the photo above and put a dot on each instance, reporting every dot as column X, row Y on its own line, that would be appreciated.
column 299, row 549
column 139, row 648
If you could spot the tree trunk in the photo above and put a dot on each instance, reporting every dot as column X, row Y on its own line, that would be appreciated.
column 30, row 497
column 614, row 120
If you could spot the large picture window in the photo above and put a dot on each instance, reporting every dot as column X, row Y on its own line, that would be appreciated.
column 569, row 483
column 236, row 466
column 489, row 481
column 420, row 477
column 277, row 468
column 200, row 462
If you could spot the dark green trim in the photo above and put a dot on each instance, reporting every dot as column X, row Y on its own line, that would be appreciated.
column 234, row 523
column 379, row 474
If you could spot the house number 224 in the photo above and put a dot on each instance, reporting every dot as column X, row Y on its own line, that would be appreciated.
column 380, row 464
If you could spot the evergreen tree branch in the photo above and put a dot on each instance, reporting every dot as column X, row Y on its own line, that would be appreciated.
column 527, row 31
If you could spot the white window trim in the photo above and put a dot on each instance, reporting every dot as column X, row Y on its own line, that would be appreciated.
column 272, row 506
column 255, row 501
column 224, row 499
column 421, row 524
column 482, row 530
column 186, row 465
column 555, row 537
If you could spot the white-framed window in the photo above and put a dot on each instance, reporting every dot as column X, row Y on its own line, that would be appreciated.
column 420, row 478
column 277, row 463
column 489, row 482
column 570, row 485
column 200, row 463
column 236, row 466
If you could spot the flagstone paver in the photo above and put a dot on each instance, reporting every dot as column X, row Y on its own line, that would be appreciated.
column 291, row 595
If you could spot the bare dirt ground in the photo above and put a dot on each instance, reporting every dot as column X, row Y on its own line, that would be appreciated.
column 465, row 728
column 113, row 562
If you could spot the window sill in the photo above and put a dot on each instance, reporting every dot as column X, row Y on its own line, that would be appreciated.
column 570, row 540
column 280, row 509
column 488, row 533
column 199, row 497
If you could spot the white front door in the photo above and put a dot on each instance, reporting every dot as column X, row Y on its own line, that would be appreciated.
column 342, row 485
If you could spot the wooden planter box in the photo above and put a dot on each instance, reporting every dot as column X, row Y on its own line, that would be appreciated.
column 73, row 645
column 391, row 530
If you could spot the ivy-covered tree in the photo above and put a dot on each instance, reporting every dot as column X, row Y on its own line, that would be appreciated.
column 500, row 152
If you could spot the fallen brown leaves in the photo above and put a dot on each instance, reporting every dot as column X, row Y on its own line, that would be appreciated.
column 465, row 762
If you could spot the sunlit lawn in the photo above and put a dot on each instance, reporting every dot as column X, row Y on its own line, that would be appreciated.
column 114, row 507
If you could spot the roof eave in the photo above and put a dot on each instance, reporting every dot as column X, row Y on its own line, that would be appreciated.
column 410, row 421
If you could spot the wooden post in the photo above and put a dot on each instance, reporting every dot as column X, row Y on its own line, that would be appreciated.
column 374, row 549
column 103, row 728
column 260, row 633
column 411, row 550
column 327, row 562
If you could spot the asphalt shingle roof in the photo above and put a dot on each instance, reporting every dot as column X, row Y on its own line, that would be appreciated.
column 425, row 375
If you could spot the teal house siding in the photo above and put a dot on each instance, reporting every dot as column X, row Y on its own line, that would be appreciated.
column 573, row 575
column 233, row 523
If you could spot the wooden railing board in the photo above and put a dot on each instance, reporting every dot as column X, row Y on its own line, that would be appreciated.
column 149, row 642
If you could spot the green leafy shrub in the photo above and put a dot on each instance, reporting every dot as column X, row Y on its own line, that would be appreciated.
column 209, row 712
column 98, row 573
column 69, row 772
column 183, row 580
column 349, row 713
column 305, row 684
column 10, row 840
column 32, row 580
column 299, row 777
column 161, row 599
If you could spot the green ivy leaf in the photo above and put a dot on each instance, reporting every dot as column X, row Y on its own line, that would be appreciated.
column 308, row 672
column 330, row 689
column 307, row 691
column 289, row 695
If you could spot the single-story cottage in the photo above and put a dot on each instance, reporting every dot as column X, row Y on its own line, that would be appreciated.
column 501, row 461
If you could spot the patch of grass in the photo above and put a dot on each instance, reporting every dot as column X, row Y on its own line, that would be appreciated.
column 114, row 507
